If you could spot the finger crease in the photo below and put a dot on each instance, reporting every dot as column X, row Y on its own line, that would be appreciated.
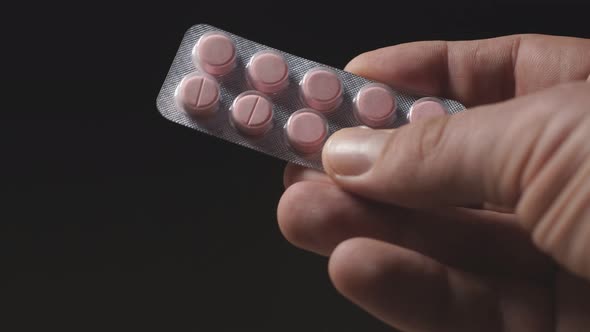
column 515, row 51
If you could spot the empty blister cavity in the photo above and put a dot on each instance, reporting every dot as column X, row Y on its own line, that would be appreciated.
column 251, row 113
column 427, row 107
column 215, row 53
column 321, row 89
column 198, row 94
column 306, row 131
column 268, row 72
column 375, row 105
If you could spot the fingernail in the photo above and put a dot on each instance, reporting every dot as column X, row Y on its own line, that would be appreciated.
column 353, row 151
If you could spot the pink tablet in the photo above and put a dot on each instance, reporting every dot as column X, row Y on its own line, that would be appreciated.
column 268, row 72
column 306, row 131
column 425, row 108
column 374, row 105
column 198, row 94
column 321, row 89
column 215, row 53
column 251, row 113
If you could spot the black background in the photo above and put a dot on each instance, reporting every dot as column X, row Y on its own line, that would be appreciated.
column 116, row 219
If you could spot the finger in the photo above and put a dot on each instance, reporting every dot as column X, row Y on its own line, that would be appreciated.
column 480, row 71
column 522, row 154
column 485, row 154
column 318, row 216
column 295, row 173
column 415, row 293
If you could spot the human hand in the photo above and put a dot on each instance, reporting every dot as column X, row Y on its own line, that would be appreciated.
column 478, row 221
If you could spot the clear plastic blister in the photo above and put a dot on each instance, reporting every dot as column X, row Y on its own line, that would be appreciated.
column 275, row 102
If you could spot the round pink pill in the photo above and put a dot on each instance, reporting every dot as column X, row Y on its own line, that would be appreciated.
column 375, row 105
column 306, row 131
column 426, row 108
column 198, row 94
column 321, row 89
column 268, row 72
column 251, row 113
column 215, row 53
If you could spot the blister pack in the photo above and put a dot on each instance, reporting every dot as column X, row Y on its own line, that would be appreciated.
column 275, row 102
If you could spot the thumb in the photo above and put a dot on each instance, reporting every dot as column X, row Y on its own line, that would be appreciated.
column 529, row 153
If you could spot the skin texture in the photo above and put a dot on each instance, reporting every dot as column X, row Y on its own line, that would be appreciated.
column 473, row 222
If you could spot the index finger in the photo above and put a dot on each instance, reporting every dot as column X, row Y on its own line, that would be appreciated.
column 479, row 71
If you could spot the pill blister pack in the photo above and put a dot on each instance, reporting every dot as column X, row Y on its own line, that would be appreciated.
column 274, row 102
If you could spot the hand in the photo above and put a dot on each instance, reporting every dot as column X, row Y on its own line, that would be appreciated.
column 478, row 221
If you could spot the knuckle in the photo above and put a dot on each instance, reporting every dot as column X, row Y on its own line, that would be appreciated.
column 564, row 229
column 430, row 137
column 555, row 204
column 558, row 149
column 408, row 158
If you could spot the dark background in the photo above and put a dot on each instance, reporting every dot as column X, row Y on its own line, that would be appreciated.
column 116, row 219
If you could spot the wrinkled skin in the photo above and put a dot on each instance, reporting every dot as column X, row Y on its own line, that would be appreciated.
column 478, row 221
